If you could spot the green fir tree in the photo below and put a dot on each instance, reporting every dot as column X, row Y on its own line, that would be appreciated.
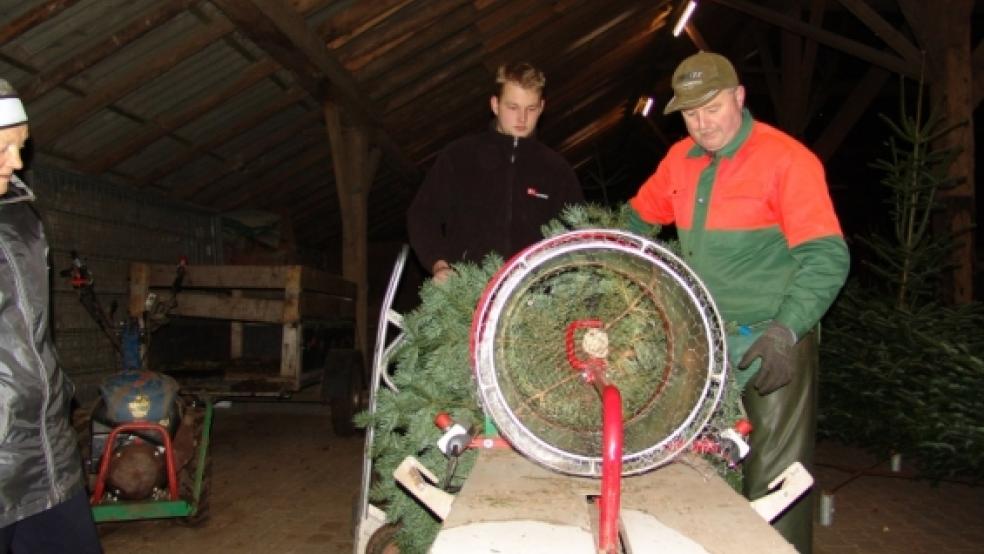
column 901, row 371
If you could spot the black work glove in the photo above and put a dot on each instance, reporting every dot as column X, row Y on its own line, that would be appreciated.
column 775, row 347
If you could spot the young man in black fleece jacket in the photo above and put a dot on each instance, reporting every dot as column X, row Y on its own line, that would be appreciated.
column 492, row 191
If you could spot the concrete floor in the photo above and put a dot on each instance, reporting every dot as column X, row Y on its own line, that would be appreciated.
column 284, row 484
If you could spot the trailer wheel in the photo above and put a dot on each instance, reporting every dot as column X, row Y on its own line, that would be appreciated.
column 342, row 388
column 383, row 541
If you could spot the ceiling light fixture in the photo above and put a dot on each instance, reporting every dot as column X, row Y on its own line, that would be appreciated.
column 684, row 17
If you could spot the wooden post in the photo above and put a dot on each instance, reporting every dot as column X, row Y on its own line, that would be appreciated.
column 290, row 353
column 355, row 166
column 236, row 332
column 139, row 287
column 943, row 29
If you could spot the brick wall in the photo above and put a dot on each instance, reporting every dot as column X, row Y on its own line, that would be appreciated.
column 109, row 226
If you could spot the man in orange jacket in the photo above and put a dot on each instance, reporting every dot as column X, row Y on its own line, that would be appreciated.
column 756, row 223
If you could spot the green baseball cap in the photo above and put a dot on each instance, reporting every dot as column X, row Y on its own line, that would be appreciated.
column 698, row 79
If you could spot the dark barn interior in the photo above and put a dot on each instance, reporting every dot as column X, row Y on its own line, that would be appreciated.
column 294, row 134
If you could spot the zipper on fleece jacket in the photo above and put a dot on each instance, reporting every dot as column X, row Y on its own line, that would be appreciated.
column 511, row 188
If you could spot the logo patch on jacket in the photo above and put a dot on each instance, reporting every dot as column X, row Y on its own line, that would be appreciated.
column 531, row 191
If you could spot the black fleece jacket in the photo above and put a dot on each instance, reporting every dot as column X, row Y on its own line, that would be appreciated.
column 488, row 192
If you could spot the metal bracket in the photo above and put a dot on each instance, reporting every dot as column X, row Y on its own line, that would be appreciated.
column 792, row 483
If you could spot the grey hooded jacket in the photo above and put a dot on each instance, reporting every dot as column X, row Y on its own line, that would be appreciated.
column 39, row 460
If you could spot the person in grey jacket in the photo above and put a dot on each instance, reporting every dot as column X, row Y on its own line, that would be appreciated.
column 43, row 503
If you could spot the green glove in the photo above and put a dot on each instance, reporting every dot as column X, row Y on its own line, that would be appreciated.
column 775, row 347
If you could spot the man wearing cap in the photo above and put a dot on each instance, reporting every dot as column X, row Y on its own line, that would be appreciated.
column 43, row 505
column 756, row 223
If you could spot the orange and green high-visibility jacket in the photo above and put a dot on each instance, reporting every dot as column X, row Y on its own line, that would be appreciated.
column 756, row 224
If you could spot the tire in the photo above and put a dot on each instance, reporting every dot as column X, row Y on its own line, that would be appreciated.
column 342, row 388
column 383, row 541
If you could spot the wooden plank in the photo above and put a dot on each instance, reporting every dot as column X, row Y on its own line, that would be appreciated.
column 355, row 20
column 838, row 42
column 321, row 281
column 396, row 31
column 33, row 17
column 248, row 277
column 51, row 78
column 52, row 128
column 317, row 306
column 417, row 55
column 689, row 498
column 222, row 306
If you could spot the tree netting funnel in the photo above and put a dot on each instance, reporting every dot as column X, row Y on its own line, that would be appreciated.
column 610, row 301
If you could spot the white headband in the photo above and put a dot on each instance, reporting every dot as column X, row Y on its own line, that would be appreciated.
column 11, row 112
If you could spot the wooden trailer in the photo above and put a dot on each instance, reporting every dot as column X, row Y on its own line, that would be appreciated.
column 294, row 297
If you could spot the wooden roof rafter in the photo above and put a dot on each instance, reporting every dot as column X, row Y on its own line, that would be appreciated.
column 287, row 38
column 833, row 40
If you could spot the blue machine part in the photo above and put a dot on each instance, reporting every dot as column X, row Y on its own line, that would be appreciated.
column 130, row 346
column 139, row 395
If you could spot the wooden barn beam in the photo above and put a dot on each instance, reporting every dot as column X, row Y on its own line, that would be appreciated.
column 977, row 70
column 432, row 80
column 833, row 40
column 943, row 30
column 278, row 182
column 54, row 77
column 798, row 60
column 287, row 38
column 427, row 47
column 33, row 17
column 769, row 69
column 696, row 37
column 394, row 33
column 287, row 99
column 265, row 167
column 859, row 99
column 426, row 59
column 231, row 171
column 305, row 190
column 884, row 30
column 350, row 23
column 50, row 129
column 167, row 123
column 355, row 164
